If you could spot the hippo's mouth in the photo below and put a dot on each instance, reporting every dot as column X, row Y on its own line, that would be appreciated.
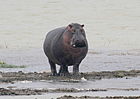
column 79, row 45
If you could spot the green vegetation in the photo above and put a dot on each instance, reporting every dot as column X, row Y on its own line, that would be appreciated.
column 4, row 65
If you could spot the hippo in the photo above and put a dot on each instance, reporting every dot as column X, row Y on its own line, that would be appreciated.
column 66, row 46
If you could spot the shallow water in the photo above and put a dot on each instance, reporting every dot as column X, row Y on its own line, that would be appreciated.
column 112, row 31
column 109, row 84
column 109, row 24
column 114, row 87
column 54, row 95
column 96, row 60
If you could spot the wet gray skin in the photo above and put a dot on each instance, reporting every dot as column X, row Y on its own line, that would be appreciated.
column 66, row 46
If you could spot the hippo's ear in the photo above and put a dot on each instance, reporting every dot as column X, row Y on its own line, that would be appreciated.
column 82, row 25
column 70, row 26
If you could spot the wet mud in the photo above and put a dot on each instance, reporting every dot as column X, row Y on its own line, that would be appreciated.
column 13, row 77
column 10, row 77
column 28, row 91
column 89, row 97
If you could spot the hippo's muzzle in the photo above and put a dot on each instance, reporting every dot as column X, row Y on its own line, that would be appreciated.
column 79, row 44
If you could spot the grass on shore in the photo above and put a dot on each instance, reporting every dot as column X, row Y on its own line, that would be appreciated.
column 5, row 65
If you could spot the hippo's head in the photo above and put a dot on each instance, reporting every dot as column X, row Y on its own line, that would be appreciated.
column 78, row 37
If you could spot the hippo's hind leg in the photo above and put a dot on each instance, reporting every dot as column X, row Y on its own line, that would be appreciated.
column 63, row 70
column 53, row 68
column 76, row 69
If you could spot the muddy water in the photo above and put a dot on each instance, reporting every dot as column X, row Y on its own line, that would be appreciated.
column 113, row 87
column 96, row 60
column 109, row 24
column 119, row 84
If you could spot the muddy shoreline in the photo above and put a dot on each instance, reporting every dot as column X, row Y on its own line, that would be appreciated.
column 9, row 77
column 89, row 97
column 29, row 91
column 12, row 77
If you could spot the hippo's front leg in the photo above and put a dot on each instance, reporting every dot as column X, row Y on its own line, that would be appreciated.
column 76, row 69
column 63, row 71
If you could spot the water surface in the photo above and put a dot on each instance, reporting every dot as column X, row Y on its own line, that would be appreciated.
column 108, row 23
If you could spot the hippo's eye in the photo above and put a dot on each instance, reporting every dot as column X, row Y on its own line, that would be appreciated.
column 73, row 31
column 81, row 30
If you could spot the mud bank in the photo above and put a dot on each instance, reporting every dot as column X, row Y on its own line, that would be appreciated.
column 10, row 77
column 89, row 97
column 4, row 91
column 28, row 91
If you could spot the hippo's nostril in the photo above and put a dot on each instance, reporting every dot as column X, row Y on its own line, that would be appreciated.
column 82, row 44
column 77, row 40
